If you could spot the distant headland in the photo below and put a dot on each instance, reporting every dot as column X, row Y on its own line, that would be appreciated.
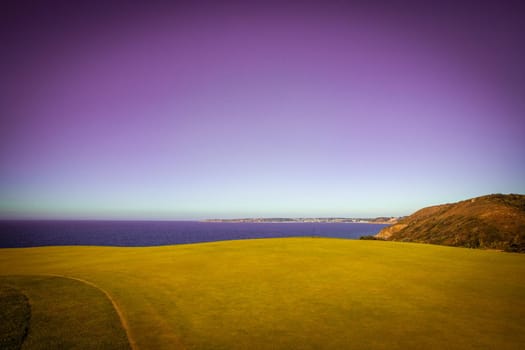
column 378, row 220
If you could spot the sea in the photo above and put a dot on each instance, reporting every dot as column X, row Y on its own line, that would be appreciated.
column 33, row 233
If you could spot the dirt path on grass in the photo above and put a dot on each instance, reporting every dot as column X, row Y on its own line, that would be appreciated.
column 123, row 321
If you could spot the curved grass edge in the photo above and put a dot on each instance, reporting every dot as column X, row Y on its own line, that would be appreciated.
column 116, row 307
column 43, row 295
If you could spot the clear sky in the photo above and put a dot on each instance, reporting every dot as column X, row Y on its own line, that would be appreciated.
column 166, row 110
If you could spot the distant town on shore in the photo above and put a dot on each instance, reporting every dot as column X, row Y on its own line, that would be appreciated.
column 378, row 220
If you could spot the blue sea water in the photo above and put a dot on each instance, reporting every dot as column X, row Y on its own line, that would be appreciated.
column 153, row 233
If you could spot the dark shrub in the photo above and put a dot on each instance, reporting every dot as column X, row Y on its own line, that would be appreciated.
column 370, row 238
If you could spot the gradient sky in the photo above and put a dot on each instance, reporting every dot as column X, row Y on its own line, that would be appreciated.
column 160, row 110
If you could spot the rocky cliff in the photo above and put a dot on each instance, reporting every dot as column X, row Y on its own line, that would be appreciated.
column 495, row 221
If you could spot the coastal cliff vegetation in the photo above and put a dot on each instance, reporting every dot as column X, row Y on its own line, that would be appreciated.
column 494, row 221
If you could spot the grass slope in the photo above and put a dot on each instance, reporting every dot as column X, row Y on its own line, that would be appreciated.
column 301, row 293
column 15, row 313
column 495, row 221
column 68, row 314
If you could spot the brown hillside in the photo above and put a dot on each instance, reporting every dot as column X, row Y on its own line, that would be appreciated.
column 495, row 221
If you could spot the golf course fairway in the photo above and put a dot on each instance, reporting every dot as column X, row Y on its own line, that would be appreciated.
column 286, row 293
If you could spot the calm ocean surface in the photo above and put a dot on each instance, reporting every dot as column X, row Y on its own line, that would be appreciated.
column 152, row 233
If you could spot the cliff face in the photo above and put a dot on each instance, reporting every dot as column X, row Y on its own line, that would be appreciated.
column 387, row 232
column 494, row 221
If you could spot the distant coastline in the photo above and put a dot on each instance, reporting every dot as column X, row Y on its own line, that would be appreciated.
column 378, row 220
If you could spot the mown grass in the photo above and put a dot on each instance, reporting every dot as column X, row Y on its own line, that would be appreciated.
column 67, row 314
column 301, row 293
column 15, row 313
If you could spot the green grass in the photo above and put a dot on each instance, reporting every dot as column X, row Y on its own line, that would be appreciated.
column 15, row 313
column 300, row 293
column 67, row 314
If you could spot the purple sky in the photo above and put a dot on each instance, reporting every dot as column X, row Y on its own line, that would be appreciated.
column 177, row 111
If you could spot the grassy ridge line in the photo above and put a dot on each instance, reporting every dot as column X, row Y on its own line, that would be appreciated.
column 123, row 321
